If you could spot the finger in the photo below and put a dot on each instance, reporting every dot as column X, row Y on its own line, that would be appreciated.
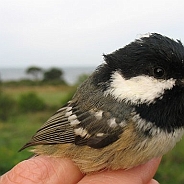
column 43, row 169
column 138, row 175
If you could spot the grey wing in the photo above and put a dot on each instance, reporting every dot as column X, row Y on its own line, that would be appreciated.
column 81, row 126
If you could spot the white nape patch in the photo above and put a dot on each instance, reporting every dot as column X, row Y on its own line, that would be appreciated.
column 82, row 132
column 139, row 89
column 73, row 120
column 147, row 35
column 112, row 123
column 98, row 115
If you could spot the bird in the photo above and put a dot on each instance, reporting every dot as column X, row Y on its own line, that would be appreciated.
column 128, row 111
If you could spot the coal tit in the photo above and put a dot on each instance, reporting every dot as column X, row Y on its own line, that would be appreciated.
column 130, row 110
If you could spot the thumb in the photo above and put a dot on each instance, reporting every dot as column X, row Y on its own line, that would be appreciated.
column 43, row 169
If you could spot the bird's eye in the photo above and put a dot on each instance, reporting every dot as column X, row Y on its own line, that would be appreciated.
column 158, row 72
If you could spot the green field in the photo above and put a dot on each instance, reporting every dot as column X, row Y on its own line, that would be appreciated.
column 17, row 129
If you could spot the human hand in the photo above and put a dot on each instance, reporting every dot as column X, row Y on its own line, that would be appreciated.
column 47, row 170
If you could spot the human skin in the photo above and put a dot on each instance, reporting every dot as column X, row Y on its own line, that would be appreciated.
column 46, row 170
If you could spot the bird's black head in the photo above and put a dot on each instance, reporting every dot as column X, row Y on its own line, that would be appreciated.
column 149, row 75
column 153, row 55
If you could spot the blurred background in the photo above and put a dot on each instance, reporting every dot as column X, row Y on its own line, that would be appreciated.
column 47, row 48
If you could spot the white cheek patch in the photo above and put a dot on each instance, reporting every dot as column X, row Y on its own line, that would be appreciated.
column 147, row 35
column 138, row 90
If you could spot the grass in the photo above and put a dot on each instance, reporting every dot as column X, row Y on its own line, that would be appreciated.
column 14, row 135
column 18, row 129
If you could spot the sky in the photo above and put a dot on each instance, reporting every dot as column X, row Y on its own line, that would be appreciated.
column 60, row 33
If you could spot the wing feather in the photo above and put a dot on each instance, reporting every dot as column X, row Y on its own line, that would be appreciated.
column 56, row 130
column 80, row 124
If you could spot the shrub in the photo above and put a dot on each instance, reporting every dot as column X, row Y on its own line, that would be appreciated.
column 53, row 74
column 35, row 71
column 30, row 102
